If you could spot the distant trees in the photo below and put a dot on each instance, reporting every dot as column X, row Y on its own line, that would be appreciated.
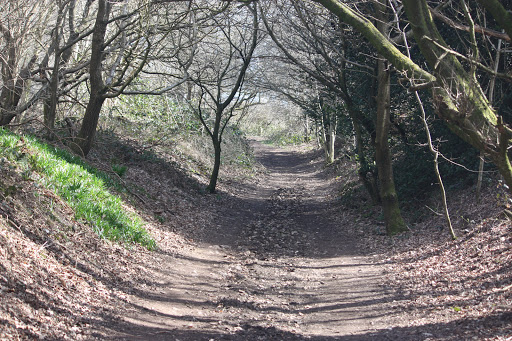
column 347, row 84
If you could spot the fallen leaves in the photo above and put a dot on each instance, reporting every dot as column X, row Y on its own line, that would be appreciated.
column 466, row 277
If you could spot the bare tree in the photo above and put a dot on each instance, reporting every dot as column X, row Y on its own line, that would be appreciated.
column 22, row 36
column 393, row 218
column 218, row 67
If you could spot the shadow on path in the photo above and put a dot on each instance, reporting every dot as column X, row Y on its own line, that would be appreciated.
column 275, row 265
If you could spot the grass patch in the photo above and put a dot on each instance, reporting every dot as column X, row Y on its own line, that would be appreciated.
column 84, row 188
column 119, row 169
column 284, row 140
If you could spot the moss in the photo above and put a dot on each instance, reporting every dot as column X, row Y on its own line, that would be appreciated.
column 500, row 14
column 394, row 222
column 379, row 41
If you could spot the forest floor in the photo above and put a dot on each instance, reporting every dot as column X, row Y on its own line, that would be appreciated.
column 274, row 266
column 275, row 257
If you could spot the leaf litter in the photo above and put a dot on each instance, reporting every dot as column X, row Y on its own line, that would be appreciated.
column 218, row 275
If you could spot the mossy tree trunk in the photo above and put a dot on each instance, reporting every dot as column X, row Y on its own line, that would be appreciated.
column 457, row 97
column 392, row 216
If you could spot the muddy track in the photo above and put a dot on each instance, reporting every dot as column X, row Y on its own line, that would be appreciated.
column 278, row 266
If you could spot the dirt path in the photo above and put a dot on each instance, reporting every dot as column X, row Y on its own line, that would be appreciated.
column 278, row 266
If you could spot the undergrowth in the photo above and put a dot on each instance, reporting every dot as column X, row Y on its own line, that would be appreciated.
column 164, row 126
column 83, row 187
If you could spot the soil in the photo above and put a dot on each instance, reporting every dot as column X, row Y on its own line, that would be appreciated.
column 278, row 257
column 275, row 267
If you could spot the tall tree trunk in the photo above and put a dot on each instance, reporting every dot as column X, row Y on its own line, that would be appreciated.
column 323, row 135
column 84, row 140
column 87, row 132
column 13, row 85
column 61, row 58
column 50, row 103
column 216, row 136
column 393, row 218
column 11, row 94
column 307, row 137
column 8, row 93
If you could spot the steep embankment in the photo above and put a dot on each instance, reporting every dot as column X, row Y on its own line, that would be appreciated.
column 276, row 258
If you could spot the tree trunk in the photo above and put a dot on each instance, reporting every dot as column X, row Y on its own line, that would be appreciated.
column 11, row 93
column 61, row 58
column 216, row 166
column 366, row 176
column 6, row 116
column 87, row 132
column 370, row 183
column 13, row 86
column 307, row 137
column 216, row 136
column 85, row 138
column 50, row 103
column 332, row 138
column 8, row 94
column 323, row 136
column 393, row 218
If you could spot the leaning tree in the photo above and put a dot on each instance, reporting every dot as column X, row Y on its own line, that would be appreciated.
column 457, row 95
